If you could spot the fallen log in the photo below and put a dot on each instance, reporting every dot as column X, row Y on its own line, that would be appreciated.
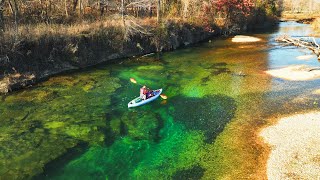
column 302, row 42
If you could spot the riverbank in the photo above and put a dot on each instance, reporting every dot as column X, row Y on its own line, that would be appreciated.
column 312, row 18
column 294, row 143
column 299, row 17
column 40, row 55
column 43, row 51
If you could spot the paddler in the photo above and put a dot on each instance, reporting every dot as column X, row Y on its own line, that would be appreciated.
column 143, row 92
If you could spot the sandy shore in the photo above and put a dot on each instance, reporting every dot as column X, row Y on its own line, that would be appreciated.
column 305, row 57
column 241, row 38
column 295, row 147
column 296, row 73
column 317, row 92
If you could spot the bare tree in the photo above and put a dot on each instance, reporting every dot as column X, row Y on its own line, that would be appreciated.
column 158, row 10
column 1, row 15
column 122, row 12
column 66, row 8
column 80, row 7
column 75, row 2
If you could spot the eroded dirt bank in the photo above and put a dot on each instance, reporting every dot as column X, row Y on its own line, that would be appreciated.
column 31, row 60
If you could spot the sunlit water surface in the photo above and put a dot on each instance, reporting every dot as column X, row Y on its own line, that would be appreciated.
column 78, row 126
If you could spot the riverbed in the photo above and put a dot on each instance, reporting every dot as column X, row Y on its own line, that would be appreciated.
column 78, row 126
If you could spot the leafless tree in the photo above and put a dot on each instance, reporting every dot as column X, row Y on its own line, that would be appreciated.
column 158, row 10
column 1, row 15
column 66, row 8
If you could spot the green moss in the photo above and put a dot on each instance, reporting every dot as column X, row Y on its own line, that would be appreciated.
column 51, row 118
column 160, row 140
column 181, row 150
column 54, row 124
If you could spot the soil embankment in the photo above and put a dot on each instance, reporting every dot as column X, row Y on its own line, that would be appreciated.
column 31, row 60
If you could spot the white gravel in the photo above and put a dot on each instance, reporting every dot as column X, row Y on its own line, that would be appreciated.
column 296, row 73
column 241, row 38
column 295, row 147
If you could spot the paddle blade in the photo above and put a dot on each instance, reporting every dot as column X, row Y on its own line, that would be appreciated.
column 133, row 80
column 163, row 96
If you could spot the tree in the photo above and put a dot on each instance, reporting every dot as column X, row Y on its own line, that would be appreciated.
column 1, row 15
column 158, row 10
column 66, row 7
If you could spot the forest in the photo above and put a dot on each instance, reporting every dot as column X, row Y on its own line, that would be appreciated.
column 19, row 14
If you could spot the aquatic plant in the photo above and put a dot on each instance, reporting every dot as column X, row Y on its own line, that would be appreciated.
column 61, row 111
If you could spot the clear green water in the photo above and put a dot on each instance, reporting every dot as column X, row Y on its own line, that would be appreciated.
column 78, row 126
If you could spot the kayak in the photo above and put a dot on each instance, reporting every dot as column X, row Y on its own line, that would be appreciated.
column 139, row 101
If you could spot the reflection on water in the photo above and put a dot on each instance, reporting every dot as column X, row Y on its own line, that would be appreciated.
column 78, row 126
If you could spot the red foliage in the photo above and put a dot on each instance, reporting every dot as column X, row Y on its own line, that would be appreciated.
column 233, row 6
column 233, row 10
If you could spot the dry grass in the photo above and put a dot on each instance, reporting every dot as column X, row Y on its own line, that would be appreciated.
column 298, row 16
column 114, row 23
column 316, row 26
column 38, row 30
column 35, row 31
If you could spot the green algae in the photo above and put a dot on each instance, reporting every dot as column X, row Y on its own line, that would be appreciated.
column 129, row 158
column 206, row 128
column 160, row 140
column 209, row 114
column 36, row 121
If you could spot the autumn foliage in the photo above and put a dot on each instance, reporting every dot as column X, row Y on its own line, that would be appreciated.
column 235, row 15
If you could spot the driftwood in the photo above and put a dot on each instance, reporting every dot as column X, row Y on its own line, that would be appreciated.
column 306, row 42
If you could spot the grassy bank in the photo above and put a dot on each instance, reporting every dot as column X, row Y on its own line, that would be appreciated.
column 40, row 50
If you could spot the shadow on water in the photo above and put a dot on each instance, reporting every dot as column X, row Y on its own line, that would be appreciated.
column 194, row 173
column 55, row 165
column 209, row 114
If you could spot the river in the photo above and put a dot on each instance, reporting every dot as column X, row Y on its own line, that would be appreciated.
column 78, row 126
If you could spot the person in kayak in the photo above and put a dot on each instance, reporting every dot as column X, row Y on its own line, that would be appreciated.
column 143, row 92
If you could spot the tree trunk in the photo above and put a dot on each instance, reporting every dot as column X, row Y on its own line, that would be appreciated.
column 66, row 8
column 11, row 7
column 101, row 7
column 16, row 15
column 150, row 10
column 122, row 12
column 1, row 16
column 80, row 7
column 311, row 6
column 158, row 11
column 75, row 3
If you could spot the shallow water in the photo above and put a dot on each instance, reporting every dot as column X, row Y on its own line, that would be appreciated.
column 78, row 126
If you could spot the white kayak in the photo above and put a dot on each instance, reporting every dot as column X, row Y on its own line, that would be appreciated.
column 139, row 101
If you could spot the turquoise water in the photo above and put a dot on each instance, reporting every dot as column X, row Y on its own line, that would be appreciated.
column 78, row 126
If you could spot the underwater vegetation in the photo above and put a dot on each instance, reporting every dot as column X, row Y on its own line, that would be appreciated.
column 88, row 111
column 209, row 114
column 78, row 126
column 42, row 123
column 131, row 158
